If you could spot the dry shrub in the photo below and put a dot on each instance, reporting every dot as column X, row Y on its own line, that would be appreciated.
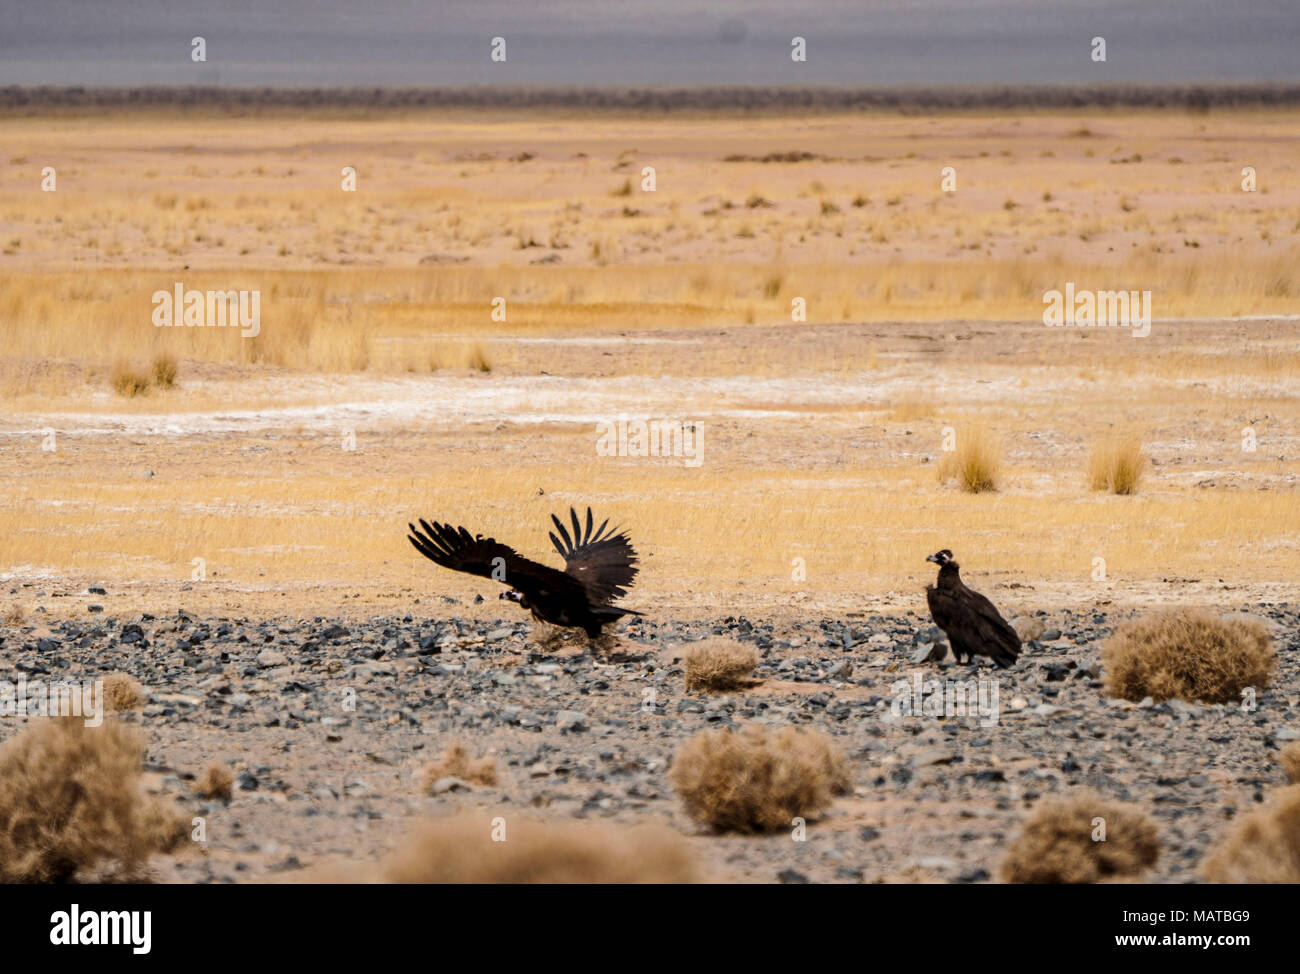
column 757, row 779
column 164, row 371
column 472, row 355
column 122, row 693
column 1116, row 465
column 478, row 358
column 461, row 849
column 912, row 406
column 1289, row 759
column 1028, row 627
column 455, row 762
column 1057, row 844
column 129, row 381
column 718, row 663
column 13, row 616
column 976, row 463
column 72, row 799
column 1264, row 846
column 216, row 783
column 1190, row 654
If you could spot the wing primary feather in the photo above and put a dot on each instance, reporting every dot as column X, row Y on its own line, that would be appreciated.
column 568, row 542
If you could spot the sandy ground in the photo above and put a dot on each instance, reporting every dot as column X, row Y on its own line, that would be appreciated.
column 804, row 452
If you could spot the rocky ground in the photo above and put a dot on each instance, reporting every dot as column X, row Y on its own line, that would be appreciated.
column 328, row 725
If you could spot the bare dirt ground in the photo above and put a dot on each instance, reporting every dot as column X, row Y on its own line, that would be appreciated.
column 816, row 443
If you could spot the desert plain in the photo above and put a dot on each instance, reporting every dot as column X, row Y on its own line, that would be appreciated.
column 828, row 302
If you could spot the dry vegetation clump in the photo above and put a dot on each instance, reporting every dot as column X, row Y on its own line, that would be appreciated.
column 1289, row 759
column 478, row 358
column 911, row 407
column 718, row 664
column 217, row 782
column 1190, row 654
column 1116, row 465
column 13, row 616
column 471, row 848
column 129, row 381
column 72, row 799
column 463, row 356
column 1063, row 842
column 122, row 693
column 1263, row 847
column 456, row 762
column 164, row 371
column 976, row 463
column 757, row 779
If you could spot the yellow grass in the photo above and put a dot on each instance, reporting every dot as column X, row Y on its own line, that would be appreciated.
column 450, row 215
column 1116, row 464
column 823, row 436
column 975, row 463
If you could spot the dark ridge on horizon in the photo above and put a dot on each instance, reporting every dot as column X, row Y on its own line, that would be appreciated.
column 19, row 100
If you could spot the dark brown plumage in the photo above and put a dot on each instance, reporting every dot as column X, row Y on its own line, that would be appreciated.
column 599, row 565
column 973, row 626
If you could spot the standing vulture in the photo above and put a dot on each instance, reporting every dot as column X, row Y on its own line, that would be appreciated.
column 972, row 624
column 598, row 568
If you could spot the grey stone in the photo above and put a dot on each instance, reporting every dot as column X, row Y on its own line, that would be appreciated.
column 573, row 720
column 271, row 657
column 930, row 653
column 1027, row 628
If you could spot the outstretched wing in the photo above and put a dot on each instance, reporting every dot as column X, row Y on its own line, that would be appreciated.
column 602, row 560
column 457, row 549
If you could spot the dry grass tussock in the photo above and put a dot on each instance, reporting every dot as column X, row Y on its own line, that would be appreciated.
column 758, row 779
column 470, row 848
column 72, row 800
column 975, row 463
column 129, row 380
column 1063, row 842
column 1264, row 846
column 1289, row 759
column 216, row 783
column 456, row 762
column 1116, row 465
column 718, row 664
column 1189, row 654
column 122, row 693
column 911, row 407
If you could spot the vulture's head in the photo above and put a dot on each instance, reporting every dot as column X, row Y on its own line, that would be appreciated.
column 940, row 557
column 512, row 595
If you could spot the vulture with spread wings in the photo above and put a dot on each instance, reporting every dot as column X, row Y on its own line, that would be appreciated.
column 599, row 565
